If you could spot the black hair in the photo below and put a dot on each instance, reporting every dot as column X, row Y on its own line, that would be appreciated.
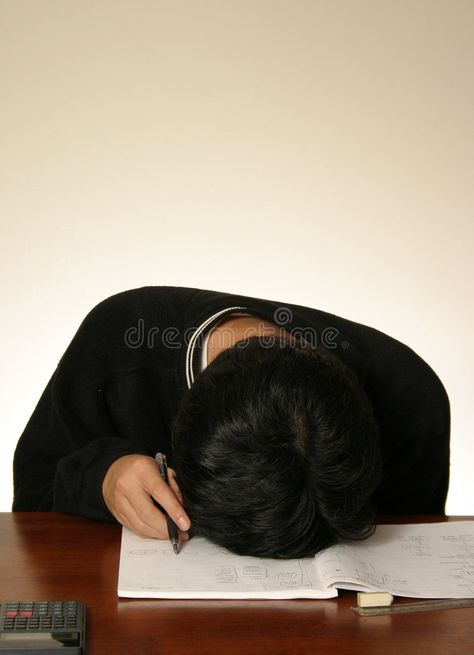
column 276, row 450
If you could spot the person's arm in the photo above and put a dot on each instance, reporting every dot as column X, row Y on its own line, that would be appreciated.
column 105, row 479
column 413, row 411
column 71, row 456
column 60, row 463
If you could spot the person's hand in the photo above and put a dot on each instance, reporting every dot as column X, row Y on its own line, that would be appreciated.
column 127, row 488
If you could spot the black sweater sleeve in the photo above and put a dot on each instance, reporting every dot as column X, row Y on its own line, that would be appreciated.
column 413, row 412
column 59, row 465
column 71, row 440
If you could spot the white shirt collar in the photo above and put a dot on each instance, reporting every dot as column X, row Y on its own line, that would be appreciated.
column 192, row 343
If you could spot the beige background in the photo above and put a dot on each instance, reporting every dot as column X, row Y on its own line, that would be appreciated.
column 315, row 152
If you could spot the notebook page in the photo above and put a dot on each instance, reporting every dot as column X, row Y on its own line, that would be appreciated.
column 432, row 560
column 150, row 569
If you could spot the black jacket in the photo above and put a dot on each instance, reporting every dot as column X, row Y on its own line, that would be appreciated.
column 119, row 384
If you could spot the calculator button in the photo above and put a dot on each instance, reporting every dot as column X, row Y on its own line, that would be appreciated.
column 40, row 616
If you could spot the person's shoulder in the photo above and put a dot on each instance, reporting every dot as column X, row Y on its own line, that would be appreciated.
column 104, row 324
column 143, row 294
column 138, row 299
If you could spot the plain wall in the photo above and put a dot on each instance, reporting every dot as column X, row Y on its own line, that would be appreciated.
column 314, row 152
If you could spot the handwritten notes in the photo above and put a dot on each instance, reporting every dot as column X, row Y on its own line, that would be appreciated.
column 149, row 568
column 434, row 560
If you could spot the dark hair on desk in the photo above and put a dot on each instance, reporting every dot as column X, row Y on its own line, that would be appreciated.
column 276, row 450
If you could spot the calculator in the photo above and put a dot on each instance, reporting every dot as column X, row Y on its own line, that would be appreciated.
column 42, row 627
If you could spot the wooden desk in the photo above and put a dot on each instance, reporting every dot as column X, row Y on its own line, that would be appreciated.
column 55, row 556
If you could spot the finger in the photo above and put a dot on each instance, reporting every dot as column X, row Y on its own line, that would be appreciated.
column 125, row 514
column 164, row 495
column 183, row 536
column 145, row 518
column 129, row 517
column 120, row 509
column 174, row 485
column 156, row 487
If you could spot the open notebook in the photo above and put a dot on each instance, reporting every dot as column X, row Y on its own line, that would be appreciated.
column 431, row 560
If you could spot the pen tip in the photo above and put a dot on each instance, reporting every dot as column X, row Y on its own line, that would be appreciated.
column 176, row 548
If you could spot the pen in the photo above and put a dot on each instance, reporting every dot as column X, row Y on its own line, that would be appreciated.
column 173, row 533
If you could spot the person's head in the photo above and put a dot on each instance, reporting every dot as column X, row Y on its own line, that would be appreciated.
column 276, row 450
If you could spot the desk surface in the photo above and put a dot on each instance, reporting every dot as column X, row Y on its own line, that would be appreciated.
column 55, row 556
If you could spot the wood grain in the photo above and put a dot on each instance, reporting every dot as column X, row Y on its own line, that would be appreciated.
column 55, row 556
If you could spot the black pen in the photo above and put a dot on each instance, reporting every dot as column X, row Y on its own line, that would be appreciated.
column 173, row 533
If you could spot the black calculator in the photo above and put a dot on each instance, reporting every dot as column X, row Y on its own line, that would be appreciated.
column 42, row 627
